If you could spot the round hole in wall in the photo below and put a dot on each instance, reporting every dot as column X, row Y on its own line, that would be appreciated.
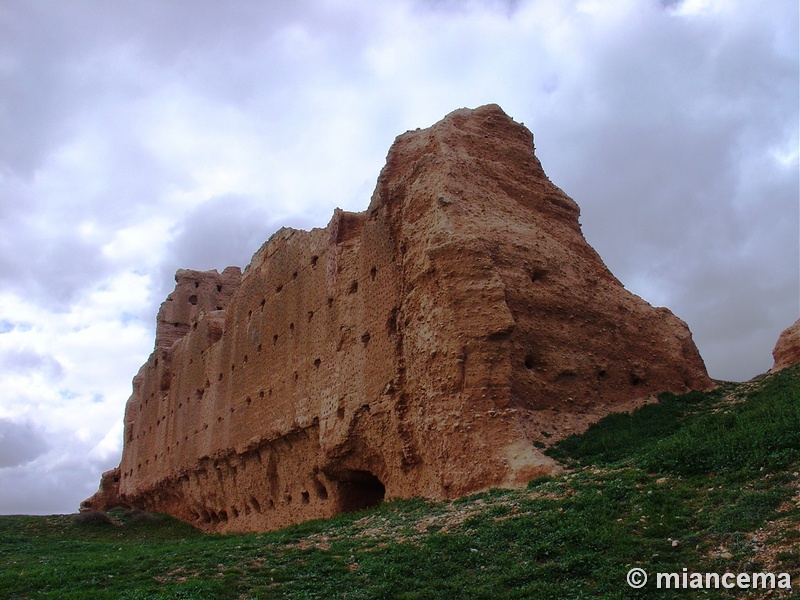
column 322, row 491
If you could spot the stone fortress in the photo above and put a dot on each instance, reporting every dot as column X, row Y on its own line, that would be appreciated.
column 430, row 346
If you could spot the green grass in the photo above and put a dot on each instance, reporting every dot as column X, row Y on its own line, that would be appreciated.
column 690, row 482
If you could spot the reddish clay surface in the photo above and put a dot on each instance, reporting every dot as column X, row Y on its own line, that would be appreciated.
column 428, row 346
column 787, row 349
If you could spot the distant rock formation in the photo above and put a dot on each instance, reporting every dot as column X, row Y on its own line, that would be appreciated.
column 429, row 346
column 787, row 350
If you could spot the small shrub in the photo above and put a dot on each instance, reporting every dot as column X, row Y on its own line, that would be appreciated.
column 92, row 517
column 539, row 480
column 140, row 516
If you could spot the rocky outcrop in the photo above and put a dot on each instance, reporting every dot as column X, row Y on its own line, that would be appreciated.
column 426, row 347
column 787, row 350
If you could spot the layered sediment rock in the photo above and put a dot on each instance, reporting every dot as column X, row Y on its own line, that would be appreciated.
column 426, row 347
column 787, row 349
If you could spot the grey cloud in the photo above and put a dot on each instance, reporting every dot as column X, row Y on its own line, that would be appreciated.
column 43, row 254
column 46, row 261
column 30, row 360
column 461, row 6
column 61, row 56
column 54, row 483
column 47, row 473
column 20, row 443
column 51, row 270
column 96, row 69
column 667, row 153
column 223, row 231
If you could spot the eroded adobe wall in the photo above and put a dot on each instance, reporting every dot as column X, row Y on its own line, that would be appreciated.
column 512, row 325
column 236, row 428
column 509, row 248
column 425, row 347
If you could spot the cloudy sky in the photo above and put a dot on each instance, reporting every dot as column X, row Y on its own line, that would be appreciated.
column 140, row 137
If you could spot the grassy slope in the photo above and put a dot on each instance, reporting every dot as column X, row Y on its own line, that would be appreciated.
column 707, row 481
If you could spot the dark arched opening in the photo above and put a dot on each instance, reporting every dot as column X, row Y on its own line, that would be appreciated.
column 358, row 490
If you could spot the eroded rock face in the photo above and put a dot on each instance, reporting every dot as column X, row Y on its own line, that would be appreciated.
column 107, row 496
column 425, row 347
column 787, row 350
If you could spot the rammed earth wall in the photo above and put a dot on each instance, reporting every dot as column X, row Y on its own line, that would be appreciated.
column 426, row 347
